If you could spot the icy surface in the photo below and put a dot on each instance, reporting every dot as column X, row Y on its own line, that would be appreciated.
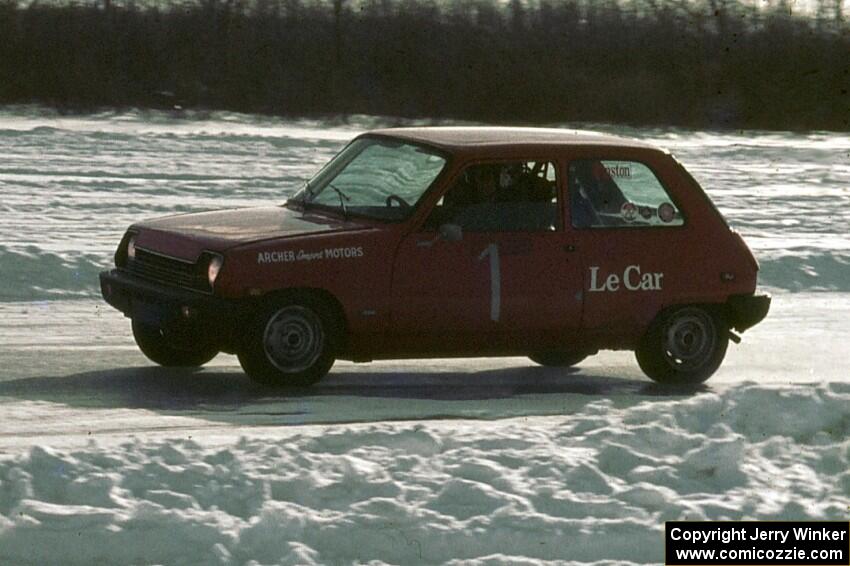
column 71, row 186
column 596, row 484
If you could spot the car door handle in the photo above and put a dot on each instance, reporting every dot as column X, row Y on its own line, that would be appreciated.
column 569, row 248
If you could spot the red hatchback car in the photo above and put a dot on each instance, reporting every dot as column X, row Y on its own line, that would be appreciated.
column 438, row 242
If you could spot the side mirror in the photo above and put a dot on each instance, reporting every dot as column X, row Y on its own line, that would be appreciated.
column 450, row 233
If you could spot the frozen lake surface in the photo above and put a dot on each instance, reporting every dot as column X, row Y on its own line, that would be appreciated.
column 107, row 458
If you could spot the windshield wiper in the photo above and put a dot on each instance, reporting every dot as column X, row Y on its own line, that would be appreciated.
column 343, row 198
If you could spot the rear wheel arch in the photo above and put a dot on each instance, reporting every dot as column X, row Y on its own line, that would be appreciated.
column 718, row 309
column 685, row 343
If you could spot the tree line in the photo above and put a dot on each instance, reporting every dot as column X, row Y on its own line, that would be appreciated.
column 711, row 63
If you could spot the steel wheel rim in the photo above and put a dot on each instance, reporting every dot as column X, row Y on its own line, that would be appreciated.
column 689, row 340
column 293, row 339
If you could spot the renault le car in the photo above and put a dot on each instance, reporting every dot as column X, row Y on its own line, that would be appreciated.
column 450, row 242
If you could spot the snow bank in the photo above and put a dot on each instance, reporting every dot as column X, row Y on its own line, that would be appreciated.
column 593, row 486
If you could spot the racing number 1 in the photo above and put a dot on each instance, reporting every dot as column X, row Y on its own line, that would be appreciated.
column 492, row 252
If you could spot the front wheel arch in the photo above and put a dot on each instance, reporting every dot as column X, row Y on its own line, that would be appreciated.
column 324, row 297
column 311, row 320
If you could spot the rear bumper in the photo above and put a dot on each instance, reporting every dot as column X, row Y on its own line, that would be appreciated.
column 169, row 307
column 745, row 311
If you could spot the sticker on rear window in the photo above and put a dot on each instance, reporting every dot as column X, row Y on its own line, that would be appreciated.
column 629, row 211
column 666, row 212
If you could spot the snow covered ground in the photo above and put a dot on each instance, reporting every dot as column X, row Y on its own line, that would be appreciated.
column 595, row 484
column 105, row 458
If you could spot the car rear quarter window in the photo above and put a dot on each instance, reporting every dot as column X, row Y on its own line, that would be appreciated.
column 613, row 194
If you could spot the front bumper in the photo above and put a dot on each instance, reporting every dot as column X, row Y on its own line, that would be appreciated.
column 745, row 311
column 170, row 307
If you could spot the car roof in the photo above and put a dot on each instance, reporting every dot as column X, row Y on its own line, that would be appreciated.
column 493, row 138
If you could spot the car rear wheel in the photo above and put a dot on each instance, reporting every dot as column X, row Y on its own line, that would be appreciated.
column 158, row 348
column 291, row 343
column 684, row 346
column 558, row 359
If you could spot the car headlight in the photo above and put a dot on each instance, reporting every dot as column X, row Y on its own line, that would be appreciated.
column 131, row 247
column 213, row 268
column 126, row 249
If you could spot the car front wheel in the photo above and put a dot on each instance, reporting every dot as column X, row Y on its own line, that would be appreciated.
column 684, row 346
column 158, row 348
column 289, row 344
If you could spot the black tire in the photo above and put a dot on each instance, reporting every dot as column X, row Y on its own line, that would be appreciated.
column 160, row 350
column 558, row 359
column 683, row 346
column 291, row 343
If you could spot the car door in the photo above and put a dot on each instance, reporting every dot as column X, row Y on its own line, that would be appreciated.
column 510, row 282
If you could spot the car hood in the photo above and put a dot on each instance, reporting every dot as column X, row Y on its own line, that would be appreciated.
column 187, row 235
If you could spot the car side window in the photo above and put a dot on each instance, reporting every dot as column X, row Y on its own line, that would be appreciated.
column 608, row 193
column 518, row 196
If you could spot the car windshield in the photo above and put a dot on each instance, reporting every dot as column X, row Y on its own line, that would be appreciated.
column 374, row 177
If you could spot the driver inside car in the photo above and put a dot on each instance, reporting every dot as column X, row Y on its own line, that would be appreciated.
column 471, row 202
